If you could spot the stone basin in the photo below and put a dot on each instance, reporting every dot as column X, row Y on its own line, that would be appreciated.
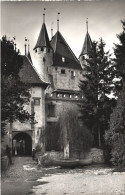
column 72, row 162
column 83, row 162
column 67, row 162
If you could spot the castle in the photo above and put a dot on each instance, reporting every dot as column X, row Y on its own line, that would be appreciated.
column 54, row 80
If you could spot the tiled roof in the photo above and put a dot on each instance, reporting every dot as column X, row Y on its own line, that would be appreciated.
column 62, row 49
column 87, row 46
column 43, row 39
column 28, row 74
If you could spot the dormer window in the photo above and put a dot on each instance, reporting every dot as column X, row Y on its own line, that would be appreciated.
column 63, row 59
column 63, row 71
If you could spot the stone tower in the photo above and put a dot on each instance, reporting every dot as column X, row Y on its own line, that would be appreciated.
column 87, row 47
column 43, row 53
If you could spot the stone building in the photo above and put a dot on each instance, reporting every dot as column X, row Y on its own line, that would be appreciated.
column 54, row 80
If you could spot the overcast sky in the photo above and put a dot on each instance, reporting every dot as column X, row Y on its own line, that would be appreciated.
column 24, row 19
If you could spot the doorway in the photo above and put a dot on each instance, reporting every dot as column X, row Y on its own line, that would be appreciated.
column 22, row 145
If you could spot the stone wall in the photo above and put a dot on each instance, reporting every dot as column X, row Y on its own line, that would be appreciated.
column 66, row 81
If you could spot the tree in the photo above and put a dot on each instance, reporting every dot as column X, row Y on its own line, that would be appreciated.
column 14, row 93
column 115, row 136
column 97, row 85
column 119, row 52
column 79, row 138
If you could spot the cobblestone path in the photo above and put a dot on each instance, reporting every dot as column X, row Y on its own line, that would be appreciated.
column 20, row 177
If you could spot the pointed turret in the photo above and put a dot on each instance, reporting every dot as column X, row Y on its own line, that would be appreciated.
column 87, row 47
column 43, row 39
column 43, row 52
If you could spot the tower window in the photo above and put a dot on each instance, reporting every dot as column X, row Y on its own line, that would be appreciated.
column 63, row 71
column 51, row 110
column 42, row 49
column 72, row 73
column 63, row 59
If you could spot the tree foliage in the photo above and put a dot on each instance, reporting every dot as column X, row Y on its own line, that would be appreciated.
column 14, row 93
column 79, row 137
column 115, row 136
column 97, row 84
column 119, row 52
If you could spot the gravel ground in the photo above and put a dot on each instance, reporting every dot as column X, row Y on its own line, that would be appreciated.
column 25, row 177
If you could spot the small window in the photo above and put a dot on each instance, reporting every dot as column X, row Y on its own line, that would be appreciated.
column 72, row 73
column 37, row 101
column 70, row 96
column 63, row 71
column 51, row 110
column 48, row 50
column 42, row 49
column 35, row 50
column 44, row 59
column 63, row 59
column 47, row 69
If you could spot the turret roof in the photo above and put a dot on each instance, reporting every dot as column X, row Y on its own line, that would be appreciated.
column 62, row 49
column 43, row 39
column 87, row 46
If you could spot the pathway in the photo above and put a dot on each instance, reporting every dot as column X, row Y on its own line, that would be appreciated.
column 25, row 177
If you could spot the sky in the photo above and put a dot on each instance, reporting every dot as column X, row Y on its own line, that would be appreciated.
column 24, row 19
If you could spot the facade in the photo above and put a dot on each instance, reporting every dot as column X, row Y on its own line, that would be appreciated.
column 54, row 80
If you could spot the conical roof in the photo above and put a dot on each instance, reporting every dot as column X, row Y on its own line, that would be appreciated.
column 43, row 39
column 62, row 49
column 87, row 46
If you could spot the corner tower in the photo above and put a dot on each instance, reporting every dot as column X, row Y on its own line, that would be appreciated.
column 86, row 49
column 43, row 52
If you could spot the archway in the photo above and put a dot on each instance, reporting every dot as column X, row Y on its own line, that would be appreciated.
column 22, row 145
